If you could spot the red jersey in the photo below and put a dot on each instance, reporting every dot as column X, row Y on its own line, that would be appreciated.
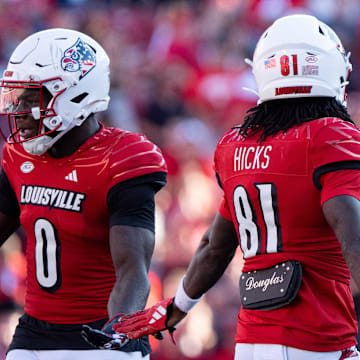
column 64, row 211
column 273, row 192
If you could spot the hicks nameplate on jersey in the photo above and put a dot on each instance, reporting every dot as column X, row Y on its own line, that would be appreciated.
column 52, row 197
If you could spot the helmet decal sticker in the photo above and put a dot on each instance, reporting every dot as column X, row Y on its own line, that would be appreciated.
column 309, row 70
column 270, row 63
column 311, row 59
column 293, row 90
column 8, row 73
column 79, row 57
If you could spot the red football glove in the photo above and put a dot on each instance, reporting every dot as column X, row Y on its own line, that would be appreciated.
column 146, row 322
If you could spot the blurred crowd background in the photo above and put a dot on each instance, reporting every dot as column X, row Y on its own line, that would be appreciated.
column 177, row 75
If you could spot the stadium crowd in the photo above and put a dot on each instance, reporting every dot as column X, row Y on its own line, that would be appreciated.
column 178, row 75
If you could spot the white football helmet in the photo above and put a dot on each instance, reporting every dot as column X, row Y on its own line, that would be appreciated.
column 72, row 67
column 300, row 56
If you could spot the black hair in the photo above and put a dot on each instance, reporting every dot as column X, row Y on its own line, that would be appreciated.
column 271, row 117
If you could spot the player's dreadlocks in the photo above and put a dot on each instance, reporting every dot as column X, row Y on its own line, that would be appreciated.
column 271, row 117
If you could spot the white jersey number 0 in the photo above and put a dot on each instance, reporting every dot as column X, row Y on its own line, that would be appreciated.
column 47, row 255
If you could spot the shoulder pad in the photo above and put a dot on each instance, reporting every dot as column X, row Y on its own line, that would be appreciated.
column 134, row 155
column 230, row 136
column 336, row 141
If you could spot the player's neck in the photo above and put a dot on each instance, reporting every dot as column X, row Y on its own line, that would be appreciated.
column 71, row 141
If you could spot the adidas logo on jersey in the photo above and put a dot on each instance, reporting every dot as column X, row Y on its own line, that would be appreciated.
column 72, row 176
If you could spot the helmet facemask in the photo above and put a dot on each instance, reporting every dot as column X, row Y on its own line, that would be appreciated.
column 26, row 105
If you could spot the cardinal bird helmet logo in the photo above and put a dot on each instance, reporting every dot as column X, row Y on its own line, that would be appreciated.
column 79, row 57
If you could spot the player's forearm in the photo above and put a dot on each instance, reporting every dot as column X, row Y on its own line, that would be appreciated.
column 206, row 268
column 353, row 263
column 216, row 250
column 131, row 249
column 129, row 294
column 8, row 225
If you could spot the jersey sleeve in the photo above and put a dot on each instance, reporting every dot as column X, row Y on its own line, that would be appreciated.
column 224, row 209
column 335, row 147
column 218, row 164
column 135, row 156
column 8, row 201
column 336, row 183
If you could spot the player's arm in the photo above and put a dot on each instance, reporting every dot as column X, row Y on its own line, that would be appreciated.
column 343, row 214
column 216, row 250
column 214, row 253
column 9, row 209
column 8, row 225
column 132, row 238
column 335, row 156
column 131, row 248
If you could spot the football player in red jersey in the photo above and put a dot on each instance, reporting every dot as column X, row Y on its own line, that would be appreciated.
column 291, row 181
column 83, row 193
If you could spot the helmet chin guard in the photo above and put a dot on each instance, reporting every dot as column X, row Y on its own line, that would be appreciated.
column 70, row 72
column 300, row 56
column 37, row 145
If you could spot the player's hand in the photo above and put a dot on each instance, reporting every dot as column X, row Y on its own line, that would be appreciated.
column 102, row 340
column 162, row 316
column 106, row 338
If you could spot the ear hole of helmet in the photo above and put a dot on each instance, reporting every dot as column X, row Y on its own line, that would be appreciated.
column 46, row 96
column 321, row 31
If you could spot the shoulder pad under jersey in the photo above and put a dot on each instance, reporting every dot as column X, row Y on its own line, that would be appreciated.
column 134, row 155
column 335, row 141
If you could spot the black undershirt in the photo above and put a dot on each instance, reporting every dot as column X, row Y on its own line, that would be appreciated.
column 132, row 202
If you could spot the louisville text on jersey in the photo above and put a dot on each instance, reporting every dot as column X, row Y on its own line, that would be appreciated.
column 293, row 90
column 52, row 197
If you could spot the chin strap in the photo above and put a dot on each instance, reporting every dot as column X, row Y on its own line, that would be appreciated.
column 38, row 145
column 43, row 143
